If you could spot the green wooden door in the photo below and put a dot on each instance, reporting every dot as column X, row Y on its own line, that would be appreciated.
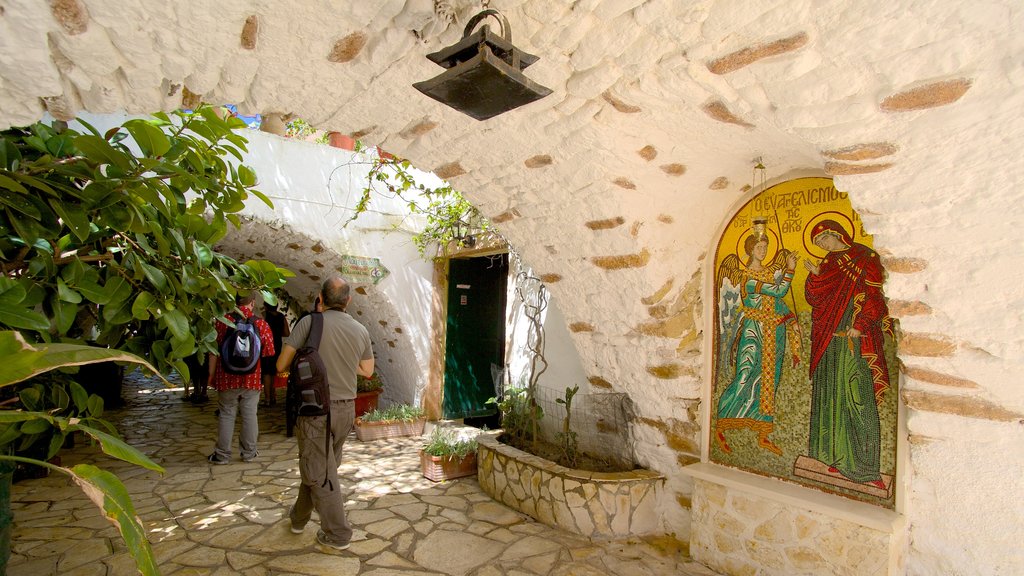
column 475, row 341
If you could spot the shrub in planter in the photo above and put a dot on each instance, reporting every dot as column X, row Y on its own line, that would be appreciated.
column 446, row 456
column 371, row 384
column 390, row 422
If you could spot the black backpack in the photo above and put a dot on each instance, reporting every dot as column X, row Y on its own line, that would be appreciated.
column 240, row 350
column 309, row 392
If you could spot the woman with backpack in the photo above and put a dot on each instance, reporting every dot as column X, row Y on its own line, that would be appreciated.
column 236, row 377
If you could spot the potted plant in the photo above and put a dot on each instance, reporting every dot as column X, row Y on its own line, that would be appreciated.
column 391, row 422
column 368, row 393
column 447, row 455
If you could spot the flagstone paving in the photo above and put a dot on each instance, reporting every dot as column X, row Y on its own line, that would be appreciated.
column 203, row 519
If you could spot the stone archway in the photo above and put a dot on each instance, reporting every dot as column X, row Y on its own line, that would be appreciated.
column 313, row 262
column 612, row 186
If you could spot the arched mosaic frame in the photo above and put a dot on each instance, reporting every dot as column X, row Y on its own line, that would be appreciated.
column 764, row 422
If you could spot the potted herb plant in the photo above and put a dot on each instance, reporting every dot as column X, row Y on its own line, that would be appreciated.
column 391, row 422
column 447, row 455
column 368, row 393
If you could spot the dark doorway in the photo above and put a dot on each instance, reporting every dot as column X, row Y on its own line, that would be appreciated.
column 475, row 339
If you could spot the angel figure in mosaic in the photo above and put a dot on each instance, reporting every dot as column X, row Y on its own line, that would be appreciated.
column 755, row 331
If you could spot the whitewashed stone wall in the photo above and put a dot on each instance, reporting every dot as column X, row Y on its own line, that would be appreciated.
column 613, row 185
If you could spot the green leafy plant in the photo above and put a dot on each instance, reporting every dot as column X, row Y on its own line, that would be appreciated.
column 567, row 440
column 364, row 384
column 446, row 443
column 104, row 242
column 20, row 361
column 450, row 218
column 394, row 413
column 300, row 129
column 106, row 252
column 519, row 415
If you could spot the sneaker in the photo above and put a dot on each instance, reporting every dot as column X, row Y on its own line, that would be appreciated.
column 321, row 537
column 250, row 458
column 213, row 459
column 298, row 529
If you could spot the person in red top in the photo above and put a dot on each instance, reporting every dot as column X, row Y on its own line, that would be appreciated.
column 238, row 392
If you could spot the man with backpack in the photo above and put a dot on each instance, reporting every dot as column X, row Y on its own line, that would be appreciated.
column 235, row 375
column 344, row 349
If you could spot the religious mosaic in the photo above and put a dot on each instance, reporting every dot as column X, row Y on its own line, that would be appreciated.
column 805, row 368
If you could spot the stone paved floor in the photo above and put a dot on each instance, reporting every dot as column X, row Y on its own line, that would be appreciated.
column 221, row 520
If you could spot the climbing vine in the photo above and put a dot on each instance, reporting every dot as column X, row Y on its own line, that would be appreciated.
column 451, row 220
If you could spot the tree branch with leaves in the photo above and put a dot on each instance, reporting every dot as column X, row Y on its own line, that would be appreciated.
column 106, row 247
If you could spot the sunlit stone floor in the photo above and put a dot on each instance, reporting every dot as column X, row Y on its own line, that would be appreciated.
column 204, row 519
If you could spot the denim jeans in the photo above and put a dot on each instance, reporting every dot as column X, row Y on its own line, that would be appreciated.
column 231, row 402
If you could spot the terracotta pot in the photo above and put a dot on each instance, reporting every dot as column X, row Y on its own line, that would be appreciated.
column 440, row 468
column 343, row 141
column 366, row 402
column 366, row 431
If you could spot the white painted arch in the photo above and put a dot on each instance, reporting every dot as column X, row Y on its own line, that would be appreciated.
column 638, row 128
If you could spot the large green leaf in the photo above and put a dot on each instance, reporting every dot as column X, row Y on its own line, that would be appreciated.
column 155, row 276
column 73, row 216
column 66, row 293
column 151, row 140
column 20, row 361
column 109, row 494
column 36, row 426
column 99, row 150
column 203, row 254
column 19, row 203
column 114, row 446
column 177, row 323
column 142, row 304
column 7, row 183
column 63, row 314
column 23, row 318
column 14, row 416
column 92, row 291
column 117, row 288
column 11, row 292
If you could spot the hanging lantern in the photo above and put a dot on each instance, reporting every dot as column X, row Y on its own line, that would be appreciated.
column 484, row 75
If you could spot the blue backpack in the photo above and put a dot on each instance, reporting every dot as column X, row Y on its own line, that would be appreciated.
column 240, row 351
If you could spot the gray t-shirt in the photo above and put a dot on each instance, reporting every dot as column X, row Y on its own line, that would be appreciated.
column 344, row 343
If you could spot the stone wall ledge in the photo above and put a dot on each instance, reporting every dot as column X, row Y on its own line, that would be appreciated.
column 592, row 504
column 787, row 494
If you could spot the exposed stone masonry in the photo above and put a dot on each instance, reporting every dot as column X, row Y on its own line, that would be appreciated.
column 748, row 56
column 740, row 534
column 927, row 96
column 593, row 504
column 346, row 49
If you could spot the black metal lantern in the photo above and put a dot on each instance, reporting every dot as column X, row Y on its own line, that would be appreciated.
column 484, row 75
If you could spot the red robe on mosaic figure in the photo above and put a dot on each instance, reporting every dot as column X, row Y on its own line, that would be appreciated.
column 848, row 374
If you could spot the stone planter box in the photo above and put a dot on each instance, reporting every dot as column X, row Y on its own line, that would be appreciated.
column 367, row 431
column 593, row 504
column 440, row 468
